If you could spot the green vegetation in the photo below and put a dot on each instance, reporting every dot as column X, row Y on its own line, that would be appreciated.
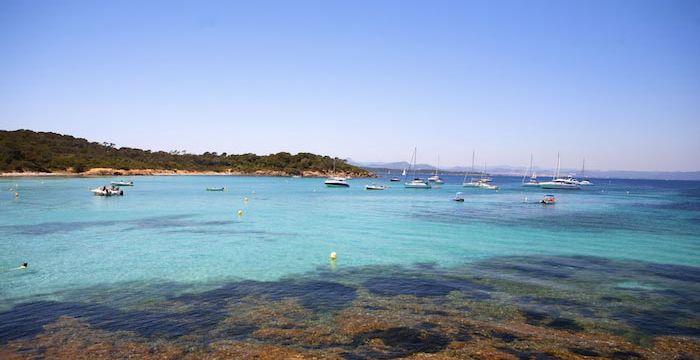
column 26, row 150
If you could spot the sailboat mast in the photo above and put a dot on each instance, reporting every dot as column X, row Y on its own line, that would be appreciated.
column 415, row 152
column 529, row 170
column 583, row 168
column 556, row 174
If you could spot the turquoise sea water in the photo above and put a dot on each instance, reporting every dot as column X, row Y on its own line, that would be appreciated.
column 169, row 230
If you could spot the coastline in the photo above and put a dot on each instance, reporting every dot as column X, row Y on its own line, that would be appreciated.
column 96, row 172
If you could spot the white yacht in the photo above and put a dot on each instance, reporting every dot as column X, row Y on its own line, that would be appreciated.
column 375, row 187
column 559, row 183
column 336, row 181
column 416, row 183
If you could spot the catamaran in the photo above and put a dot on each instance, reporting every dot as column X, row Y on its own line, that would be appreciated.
column 336, row 181
column 559, row 183
column 416, row 183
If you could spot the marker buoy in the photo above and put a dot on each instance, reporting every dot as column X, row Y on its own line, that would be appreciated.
column 334, row 255
column 240, row 213
column 245, row 199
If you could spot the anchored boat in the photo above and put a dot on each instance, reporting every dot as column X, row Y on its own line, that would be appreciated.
column 107, row 191
column 122, row 183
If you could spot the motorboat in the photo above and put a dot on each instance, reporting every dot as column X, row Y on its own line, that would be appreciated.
column 216, row 189
column 548, row 200
column 417, row 183
column 336, row 182
column 375, row 187
column 122, row 183
column 395, row 179
column 108, row 191
column 459, row 197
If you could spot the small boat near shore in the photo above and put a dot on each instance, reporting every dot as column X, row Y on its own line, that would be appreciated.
column 336, row 182
column 216, row 189
column 122, row 183
column 108, row 191
column 548, row 200
column 459, row 197
column 375, row 187
column 395, row 179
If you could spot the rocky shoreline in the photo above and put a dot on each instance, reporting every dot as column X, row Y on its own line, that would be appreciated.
column 164, row 172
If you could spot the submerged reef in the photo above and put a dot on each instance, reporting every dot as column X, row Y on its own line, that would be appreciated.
column 532, row 307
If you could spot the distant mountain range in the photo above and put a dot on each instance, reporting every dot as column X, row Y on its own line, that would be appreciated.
column 380, row 167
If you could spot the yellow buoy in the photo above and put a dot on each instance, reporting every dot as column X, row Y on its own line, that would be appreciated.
column 240, row 213
column 334, row 255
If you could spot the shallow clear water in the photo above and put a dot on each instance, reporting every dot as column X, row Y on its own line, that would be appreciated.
column 169, row 233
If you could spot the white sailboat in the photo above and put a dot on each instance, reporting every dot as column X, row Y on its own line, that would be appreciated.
column 436, row 178
column 559, row 183
column 472, row 182
column 416, row 183
column 336, row 181
column 584, row 182
column 533, row 178
column 483, row 182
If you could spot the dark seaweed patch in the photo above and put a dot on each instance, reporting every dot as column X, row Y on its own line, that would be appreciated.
column 534, row 317
column 675, row 272
column 564, row 324
column 27, row 320
column 658, row 322
column 584, row 352
column 424, row 287
column 315, row 295
column 550, row 301
column 505, row 336
column 404, row 341
column 626, row 355
column 53, row 227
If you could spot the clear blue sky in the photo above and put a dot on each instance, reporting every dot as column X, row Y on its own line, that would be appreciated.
column 616, row 82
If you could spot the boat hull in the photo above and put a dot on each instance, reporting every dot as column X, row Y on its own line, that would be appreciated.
column 336, row 184
column 416, row 186
column 559, row 186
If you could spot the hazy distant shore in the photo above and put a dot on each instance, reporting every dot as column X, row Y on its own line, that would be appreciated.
column 164, row 172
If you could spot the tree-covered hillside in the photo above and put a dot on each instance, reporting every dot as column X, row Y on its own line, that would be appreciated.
column 25, row 150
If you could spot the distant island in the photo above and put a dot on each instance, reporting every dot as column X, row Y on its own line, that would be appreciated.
column 26, row 152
